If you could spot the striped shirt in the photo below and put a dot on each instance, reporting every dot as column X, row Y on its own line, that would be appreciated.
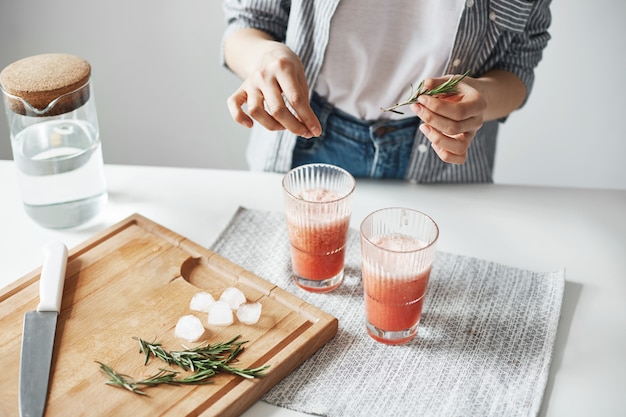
column 498, row 34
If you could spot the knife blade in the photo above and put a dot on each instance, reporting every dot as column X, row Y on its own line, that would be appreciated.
column 39, row 331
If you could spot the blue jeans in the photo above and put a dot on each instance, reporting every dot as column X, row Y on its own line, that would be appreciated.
column 373, row 149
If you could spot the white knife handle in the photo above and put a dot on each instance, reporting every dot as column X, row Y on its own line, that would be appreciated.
column 52, row 277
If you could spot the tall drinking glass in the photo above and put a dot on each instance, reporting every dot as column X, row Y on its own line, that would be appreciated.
column 318, row 205
column 397, row 252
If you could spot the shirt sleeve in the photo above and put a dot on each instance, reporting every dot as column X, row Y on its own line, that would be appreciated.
column 502, row 34
column 525, row 50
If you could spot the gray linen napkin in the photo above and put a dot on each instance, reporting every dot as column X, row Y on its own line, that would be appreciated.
column 483, row 347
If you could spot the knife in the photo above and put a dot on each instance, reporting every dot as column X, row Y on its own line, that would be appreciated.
column 39, row 330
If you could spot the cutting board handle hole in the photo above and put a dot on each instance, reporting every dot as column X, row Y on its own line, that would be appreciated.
column 194, row 271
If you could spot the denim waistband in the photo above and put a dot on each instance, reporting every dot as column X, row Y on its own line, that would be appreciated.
column 366, row 148
column 380, row 127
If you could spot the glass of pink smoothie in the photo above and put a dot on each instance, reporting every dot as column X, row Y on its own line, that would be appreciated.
column 397, row 252
column 318, row 205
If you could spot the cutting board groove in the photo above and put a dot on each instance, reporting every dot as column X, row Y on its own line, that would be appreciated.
column 135, row 279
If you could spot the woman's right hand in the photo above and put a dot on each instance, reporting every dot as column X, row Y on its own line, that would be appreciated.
column 276, row 76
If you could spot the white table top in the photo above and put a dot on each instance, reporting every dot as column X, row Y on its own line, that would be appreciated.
column 536, row 228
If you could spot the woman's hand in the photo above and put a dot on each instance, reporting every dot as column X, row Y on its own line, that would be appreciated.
column 276, row 76
column 451, row 122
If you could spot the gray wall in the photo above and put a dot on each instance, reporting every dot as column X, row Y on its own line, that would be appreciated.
column 161, row 92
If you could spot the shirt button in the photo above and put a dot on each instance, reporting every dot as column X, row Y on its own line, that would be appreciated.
column 421, row 148
column 456, row 62
column 492, row 16
column 469, row 3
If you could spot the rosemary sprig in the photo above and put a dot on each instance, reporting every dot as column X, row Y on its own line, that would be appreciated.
column 215, row 356
column 449, row 88
column 164, row 376
column 205, row 361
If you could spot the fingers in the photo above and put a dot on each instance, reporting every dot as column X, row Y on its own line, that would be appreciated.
column 450, row 137
column 449, row 149
column 270, row 110
column 234, row 104
column 260, row 106
column 448, row 117
column 276, row 95
column 301, row 119
column 451, row 122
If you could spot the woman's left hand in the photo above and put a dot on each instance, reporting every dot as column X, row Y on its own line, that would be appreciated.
column 451, row 122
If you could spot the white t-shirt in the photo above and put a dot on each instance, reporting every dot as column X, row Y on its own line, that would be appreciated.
column 378, row 49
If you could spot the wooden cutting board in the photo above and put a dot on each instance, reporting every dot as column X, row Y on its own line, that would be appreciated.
column 136, row 279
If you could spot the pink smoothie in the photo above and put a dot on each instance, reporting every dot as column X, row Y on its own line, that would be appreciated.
column 393, row 301
column 318, row 247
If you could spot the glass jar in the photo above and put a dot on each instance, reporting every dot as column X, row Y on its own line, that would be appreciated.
column 55, row 138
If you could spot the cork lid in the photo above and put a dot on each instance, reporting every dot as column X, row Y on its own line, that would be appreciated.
column 41, row 79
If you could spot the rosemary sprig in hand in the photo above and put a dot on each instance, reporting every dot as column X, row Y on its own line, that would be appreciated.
column 205, row 361
column 449, row 88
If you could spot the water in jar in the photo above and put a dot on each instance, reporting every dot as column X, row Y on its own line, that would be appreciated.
column 60, row 172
